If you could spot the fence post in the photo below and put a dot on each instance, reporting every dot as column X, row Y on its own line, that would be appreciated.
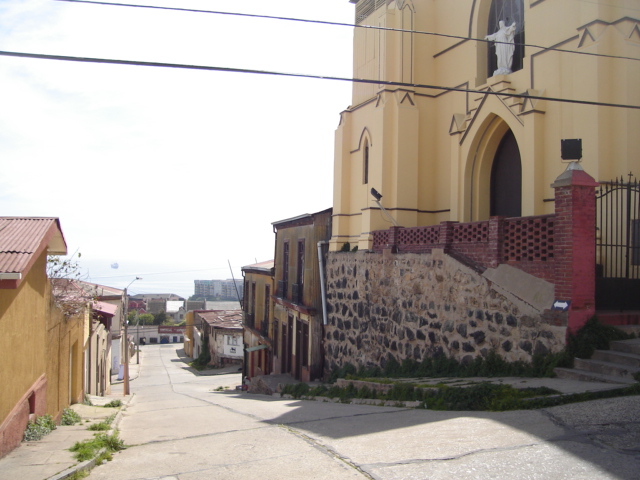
column 575, row 243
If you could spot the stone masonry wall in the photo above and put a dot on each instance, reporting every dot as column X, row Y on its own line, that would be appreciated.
column 419, row 305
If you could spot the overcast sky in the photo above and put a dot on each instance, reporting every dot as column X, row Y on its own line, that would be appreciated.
column 170, row 173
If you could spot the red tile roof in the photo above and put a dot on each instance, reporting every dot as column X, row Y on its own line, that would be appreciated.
column 22, row 240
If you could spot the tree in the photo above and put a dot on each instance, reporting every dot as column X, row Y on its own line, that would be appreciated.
column 160, row 318
column 69, row 294
column 146, row 319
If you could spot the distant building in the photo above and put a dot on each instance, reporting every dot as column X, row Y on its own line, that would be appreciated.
column 223, row 328
column 219, row 289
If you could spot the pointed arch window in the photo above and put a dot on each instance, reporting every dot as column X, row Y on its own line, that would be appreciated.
column 365, row 163
column 507, row 11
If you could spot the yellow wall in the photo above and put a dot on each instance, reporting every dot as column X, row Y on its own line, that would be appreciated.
column 38, row 341
column 431, row 151
column 23, row 342
column 65, row 365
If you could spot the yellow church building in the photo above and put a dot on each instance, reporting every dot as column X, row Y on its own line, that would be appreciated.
column 453, row 124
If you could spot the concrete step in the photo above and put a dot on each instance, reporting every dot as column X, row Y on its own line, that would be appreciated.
column 606, row 368
column 621, row 358
column 584, row 376
column 627, row 346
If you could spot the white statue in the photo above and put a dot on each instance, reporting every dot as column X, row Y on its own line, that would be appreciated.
column 503, row 39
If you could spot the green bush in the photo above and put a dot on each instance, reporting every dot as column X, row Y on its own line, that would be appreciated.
column 70, row 417
column 593, row 336
column 39, row 428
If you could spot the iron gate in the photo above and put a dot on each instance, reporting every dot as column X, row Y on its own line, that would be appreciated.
column 618, row 245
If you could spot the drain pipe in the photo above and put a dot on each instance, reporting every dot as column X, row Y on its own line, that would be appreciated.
column 323, row 291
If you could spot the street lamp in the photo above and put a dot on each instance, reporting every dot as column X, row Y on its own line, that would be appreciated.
column 126, row 337
column 137, row 337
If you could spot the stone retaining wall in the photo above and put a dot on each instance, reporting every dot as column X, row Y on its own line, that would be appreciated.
column 419, row 305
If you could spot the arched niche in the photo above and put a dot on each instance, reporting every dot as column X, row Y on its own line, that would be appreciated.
column 485, row 16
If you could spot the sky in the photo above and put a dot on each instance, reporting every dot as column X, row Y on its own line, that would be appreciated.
column 172, row 174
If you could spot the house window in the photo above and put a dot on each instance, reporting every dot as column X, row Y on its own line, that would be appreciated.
column 300, row 272
column 267, row 299
column 365, row 163
column 275, row 338
column 508, row 11
column 232, row 340
column 305, row 344
column 285, row 270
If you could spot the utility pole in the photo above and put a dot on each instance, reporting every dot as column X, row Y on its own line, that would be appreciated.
column 126, row 337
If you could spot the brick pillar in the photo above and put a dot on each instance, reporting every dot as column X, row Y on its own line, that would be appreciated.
column 445, row 238
column 496, row 241
column 575, row 243
column 393, row 239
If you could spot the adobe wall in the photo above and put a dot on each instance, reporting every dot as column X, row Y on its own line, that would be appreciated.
column 418, row 305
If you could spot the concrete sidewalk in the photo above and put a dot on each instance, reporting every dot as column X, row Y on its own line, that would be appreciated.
column 50, row 457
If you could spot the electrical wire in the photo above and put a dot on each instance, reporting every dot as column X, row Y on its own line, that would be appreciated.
column 41, row 56
column 342, row 24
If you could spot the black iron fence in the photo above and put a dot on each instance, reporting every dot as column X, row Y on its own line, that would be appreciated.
column 618, row 245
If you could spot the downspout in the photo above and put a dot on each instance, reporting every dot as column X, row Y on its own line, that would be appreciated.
column 322, row 286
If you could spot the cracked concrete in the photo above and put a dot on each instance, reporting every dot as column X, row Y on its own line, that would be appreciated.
column 184, row 429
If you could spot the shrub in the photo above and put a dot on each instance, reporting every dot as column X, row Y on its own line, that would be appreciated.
column 592, row 336
column 39, row 428
column 70, row 417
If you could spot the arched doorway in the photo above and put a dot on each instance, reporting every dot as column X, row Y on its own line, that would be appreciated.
column 506, row 179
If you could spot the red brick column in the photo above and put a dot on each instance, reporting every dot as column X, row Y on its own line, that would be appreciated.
column 445, row 238
column 575, row 243
column 496, row 242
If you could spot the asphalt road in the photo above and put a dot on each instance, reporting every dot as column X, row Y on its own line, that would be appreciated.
column 183, row 426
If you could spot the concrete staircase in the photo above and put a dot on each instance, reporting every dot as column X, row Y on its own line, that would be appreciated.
column 616, row 365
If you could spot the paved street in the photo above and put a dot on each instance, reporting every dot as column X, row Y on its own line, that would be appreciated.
column 179, row 426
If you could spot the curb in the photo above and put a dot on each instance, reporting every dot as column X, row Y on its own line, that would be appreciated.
column 88, row 465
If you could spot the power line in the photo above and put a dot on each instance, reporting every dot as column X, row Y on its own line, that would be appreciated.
column 342, row 24
column 41, row 56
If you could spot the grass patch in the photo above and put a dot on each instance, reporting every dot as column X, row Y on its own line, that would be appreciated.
column 88, row 449
column 78, row 475
column 113, row 404
column 103, row 425
column 478, row 397
column 70, row 417
column 37, row 429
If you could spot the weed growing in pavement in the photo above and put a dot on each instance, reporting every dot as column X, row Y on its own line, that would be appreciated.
column 88, row 449
column 102, row 426
column 113, row 404
column 78, row 475
column 39, row 428
column 70, row 417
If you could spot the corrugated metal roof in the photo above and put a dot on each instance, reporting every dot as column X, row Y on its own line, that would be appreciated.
column 268, row 265
column 22, row 237
column 222, row 318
